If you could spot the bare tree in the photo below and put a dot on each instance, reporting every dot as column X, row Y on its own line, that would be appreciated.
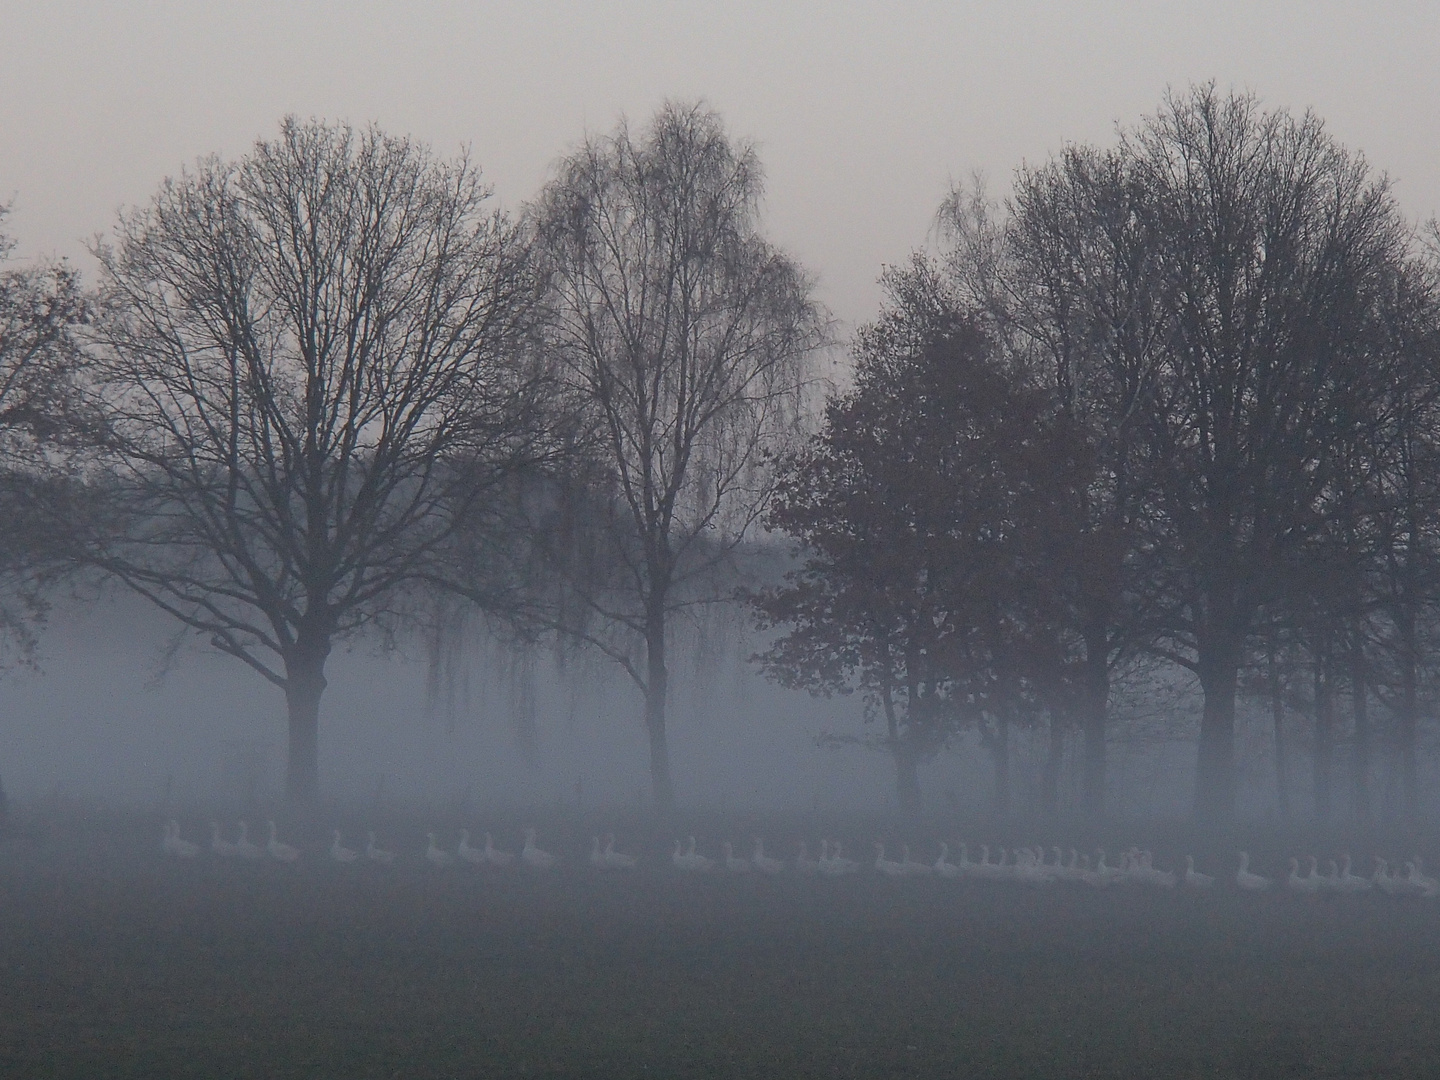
column 1203, row 298
column 685, row 334
column 1275, row 245
column 312, row 366
column 42, row 308
column 1080, row 284
column 1403, row 587
column 927, row 508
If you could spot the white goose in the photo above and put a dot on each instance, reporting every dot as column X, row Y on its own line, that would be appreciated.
column 1149, row 875
column 278, row 851
column 1071, row 871
column 181, row 849
column 466, row 853
column 1110, row 874
column 965, row 866
column 1382, row 879
column 734, row 865
column 943, row 866
column 822, row 864
column 1350, row 882
column 340, row 853
column 618, row 860
column 832, row 862
column 494, row 856
column 839, row 864
column 804, row 864
column 1195, row 879
column 244, row 847
column 1406, row 885
column 683, row 859
column 984, row 868
column 1332, row 876
column 1419, row 883
column 532, row 856
column 218, row 844
column 377, row 854
column 434, row 855
column 888, row 867
column 700, row 864
column 763, row 862
column 1028, row 869
column 1428, row 886
column 1101, row 875
column 913, row 867
column 1248, row 881
column 1296, row 883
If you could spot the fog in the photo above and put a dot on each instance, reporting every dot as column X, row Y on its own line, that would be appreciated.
column 863, row 114
column 133, row 720
column 863, row 120
column 614, row 539
column 102, row 717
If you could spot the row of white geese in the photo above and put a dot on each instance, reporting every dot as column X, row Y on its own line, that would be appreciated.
column 1026, row 865
column 1032, row 866
column 242, row 847
column 1341, row 879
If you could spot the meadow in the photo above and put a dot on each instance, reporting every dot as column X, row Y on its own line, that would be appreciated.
column 116, row 961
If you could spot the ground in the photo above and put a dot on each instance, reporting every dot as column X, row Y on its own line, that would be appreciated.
column 118, row 962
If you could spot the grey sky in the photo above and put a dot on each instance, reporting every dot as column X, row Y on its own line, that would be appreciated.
column 863, row 112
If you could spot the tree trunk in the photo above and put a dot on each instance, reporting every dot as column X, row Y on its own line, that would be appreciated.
column 1097, row 707
column 907, row 777
column 1000, row 755
column 522, row 705
column 1282, row 763
column 1219, row 671
column 1050, row 782
column 1407, row 723
column 304, row 686
column 657, row 685
column 1324, row 741
column 1360, row 751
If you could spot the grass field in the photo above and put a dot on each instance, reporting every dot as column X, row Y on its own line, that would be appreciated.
column 116, row 962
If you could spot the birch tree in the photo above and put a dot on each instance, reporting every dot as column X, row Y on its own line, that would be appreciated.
column 685, row 335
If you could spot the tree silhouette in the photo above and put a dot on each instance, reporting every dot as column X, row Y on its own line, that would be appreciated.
column 924, row 511
column 685, row 336
column 312, row 366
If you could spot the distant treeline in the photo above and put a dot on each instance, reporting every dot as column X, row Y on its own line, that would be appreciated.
column 1175, row 402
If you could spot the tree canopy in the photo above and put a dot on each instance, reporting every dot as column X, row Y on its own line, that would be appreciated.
column 312, row 363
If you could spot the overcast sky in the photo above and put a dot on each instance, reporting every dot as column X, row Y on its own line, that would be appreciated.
column 863, row 113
